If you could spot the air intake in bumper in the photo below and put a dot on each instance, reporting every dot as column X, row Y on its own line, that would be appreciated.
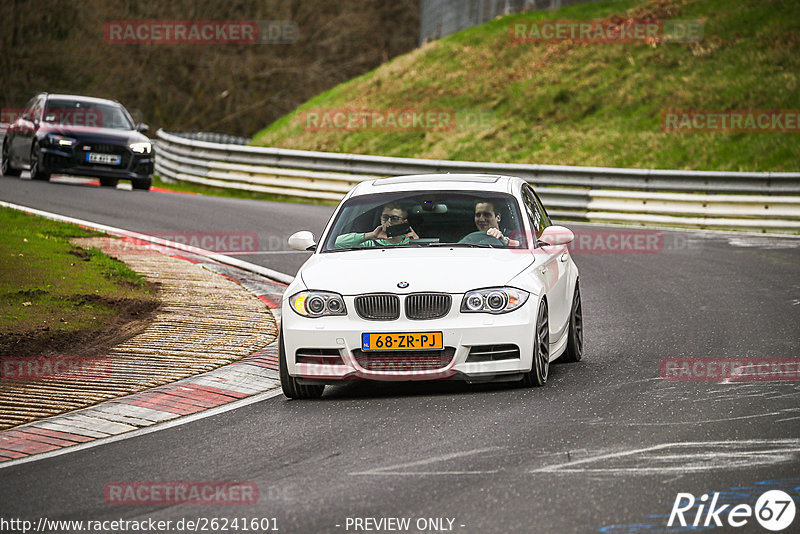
column 491, row 353
column 405, row 361
column 319, row 356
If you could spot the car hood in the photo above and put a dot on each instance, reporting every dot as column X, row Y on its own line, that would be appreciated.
column 438, row 269
column 88, row 134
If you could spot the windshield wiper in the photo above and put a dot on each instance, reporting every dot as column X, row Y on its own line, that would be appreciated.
column 467, row 245
column 347, row 248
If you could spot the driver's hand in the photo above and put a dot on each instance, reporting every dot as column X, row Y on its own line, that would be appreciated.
column 497, row 234
column 412, row 234
column 377, row 233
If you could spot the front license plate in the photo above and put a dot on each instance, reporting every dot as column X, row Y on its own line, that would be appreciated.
column 403, row 341
column 105, row 159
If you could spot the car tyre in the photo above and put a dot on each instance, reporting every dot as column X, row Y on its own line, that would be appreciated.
column 5, row 166
column 36, row 165
column 109, row 182
column 142, row 183
column 574, row 351
column 540, row 365
column 291, row 388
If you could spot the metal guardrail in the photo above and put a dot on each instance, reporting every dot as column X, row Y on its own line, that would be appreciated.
column 213, row 137
column 696, row 199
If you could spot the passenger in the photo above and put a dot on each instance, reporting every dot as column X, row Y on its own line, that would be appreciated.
column 488, row 220
column 392, row 215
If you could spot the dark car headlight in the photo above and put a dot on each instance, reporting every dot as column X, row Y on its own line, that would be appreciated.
column 317, row 304
column 60, row 140
column 493, row 300
column 141, row 148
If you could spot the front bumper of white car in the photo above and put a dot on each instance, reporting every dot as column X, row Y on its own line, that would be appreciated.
column 477, row 346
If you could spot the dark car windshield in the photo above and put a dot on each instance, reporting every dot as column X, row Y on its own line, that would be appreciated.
column 86, row 113
column 440, row 218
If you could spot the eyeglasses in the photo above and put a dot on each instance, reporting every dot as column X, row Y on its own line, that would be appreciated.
column 394, row 219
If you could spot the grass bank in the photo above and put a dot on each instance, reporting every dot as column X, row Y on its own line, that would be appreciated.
column 576, row 103
column 57, row 297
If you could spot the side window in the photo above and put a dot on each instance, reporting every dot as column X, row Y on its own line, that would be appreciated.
column 29, row 107
column 545, row 216
column 38, row 107
column 535, row 214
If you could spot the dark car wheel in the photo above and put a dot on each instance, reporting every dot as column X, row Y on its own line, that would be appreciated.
column 540, row 366
column 109, row 182
column 574, row 351
column 142, row 183
column 291, row 388
column 5, row 164
column 36, row 165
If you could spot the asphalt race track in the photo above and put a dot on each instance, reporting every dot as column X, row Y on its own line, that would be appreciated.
column 606, row 446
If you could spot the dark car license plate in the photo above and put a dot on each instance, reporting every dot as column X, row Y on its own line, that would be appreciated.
column 104, row 159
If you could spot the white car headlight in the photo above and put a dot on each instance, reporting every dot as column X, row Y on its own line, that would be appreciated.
column 493, row 300
column 141, row 148
column 60, row 140
column 317, row 304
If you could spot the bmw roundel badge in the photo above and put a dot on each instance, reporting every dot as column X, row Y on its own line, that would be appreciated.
column 402, row 285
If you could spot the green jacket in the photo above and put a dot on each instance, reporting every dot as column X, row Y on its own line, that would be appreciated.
column 359, row 240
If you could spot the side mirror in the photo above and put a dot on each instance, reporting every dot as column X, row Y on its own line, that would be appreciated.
column 26, row 117
column 142, row 127
column 303, row 240
column 557, row 235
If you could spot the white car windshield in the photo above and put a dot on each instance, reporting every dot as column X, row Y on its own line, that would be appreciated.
column 428, row 219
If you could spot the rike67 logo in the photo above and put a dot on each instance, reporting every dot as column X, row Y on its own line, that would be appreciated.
column 774, row 510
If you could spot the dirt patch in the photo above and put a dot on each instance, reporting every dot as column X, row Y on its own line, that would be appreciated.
column 131, row 318
column 658, row 9
column 80, row 253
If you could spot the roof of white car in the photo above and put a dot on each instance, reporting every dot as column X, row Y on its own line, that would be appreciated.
column 427, row 182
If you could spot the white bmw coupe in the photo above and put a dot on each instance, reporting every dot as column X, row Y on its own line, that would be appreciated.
column 432, row 277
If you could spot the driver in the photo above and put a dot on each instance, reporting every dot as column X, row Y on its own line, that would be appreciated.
column 392, row 214
column 488, row 220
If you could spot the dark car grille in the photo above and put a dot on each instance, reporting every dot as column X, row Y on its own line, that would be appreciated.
column 105, row 148
column 427, row 305
column 405, row 360
column 378, row 307
column 491, row 353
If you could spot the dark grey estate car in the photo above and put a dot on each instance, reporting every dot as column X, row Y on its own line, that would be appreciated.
column 78, row 135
